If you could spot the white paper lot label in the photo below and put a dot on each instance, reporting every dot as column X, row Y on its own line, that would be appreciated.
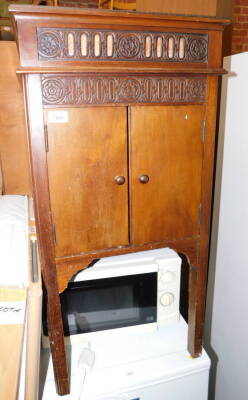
column 12, row 312
column 58, row 116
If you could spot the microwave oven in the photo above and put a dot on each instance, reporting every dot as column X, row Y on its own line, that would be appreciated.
column 132, row 291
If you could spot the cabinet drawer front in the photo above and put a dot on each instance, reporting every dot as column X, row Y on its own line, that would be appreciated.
column 87, row 150
column 166, row 164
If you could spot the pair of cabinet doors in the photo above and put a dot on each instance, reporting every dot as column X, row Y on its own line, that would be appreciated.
column 158, row 150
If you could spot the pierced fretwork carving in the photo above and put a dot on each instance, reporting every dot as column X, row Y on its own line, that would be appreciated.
column 76, row 90
column 79, row 44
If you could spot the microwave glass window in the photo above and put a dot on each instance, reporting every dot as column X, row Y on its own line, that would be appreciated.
column 110, row 303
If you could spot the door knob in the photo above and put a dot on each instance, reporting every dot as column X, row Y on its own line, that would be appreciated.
column 119, row 180
column 144, row 179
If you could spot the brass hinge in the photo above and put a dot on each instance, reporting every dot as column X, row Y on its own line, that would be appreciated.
column 200, row 214
column 203, row 131
column 46, row 138
column 54, row 234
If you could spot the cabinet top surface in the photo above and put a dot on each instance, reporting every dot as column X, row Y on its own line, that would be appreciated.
column 73, row 12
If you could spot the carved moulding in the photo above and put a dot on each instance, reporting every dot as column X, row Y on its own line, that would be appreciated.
column 67, row 269
column 92, row 45
column 77, row 90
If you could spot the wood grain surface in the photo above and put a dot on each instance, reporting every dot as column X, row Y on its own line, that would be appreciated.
column 13, row 141
column 89, row 209
column 166, row 145
column 11, row 347
column 221, row 8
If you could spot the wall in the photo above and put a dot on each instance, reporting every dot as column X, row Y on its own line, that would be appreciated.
column 227, row 302
column 13, row 143
column 240, row 27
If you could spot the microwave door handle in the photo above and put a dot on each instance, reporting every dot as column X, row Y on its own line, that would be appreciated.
column 34, row 261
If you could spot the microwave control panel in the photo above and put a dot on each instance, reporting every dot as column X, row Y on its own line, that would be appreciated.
column 169, row 274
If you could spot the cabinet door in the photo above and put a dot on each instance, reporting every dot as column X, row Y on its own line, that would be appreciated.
column 166, row 145
column 89, row 209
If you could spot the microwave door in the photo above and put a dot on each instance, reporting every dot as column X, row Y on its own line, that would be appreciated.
column 95, row 305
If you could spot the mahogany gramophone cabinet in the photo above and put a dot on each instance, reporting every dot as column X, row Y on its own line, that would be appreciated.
column 121, row 120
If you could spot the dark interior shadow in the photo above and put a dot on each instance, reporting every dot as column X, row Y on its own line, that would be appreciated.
column 184, row 287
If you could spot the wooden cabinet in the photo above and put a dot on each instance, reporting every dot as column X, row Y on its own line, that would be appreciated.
column 121, row 111
column 124, row 175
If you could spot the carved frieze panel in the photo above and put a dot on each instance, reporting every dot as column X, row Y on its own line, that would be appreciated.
column 83, row 89
column 66, row 44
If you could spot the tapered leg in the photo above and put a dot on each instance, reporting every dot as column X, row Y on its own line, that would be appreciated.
column 56, row 336
column 197, row 292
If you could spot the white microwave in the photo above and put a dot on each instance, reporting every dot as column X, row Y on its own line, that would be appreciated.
column 133, row 291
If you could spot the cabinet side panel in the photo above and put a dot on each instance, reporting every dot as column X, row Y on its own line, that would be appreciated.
column 197, row 307
column 44, row 227
column 86, row 154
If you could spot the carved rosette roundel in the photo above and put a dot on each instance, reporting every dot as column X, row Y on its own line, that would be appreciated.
column 197, row 89
column 49, row 45
column 129, row 46
column 130, row 89
column 198, row 49
column 53, row 90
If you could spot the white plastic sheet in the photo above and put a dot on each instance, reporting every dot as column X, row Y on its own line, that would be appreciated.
column 13, row 241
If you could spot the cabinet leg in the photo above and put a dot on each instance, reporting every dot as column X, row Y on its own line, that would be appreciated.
column 56, row 336
column 196, row 309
